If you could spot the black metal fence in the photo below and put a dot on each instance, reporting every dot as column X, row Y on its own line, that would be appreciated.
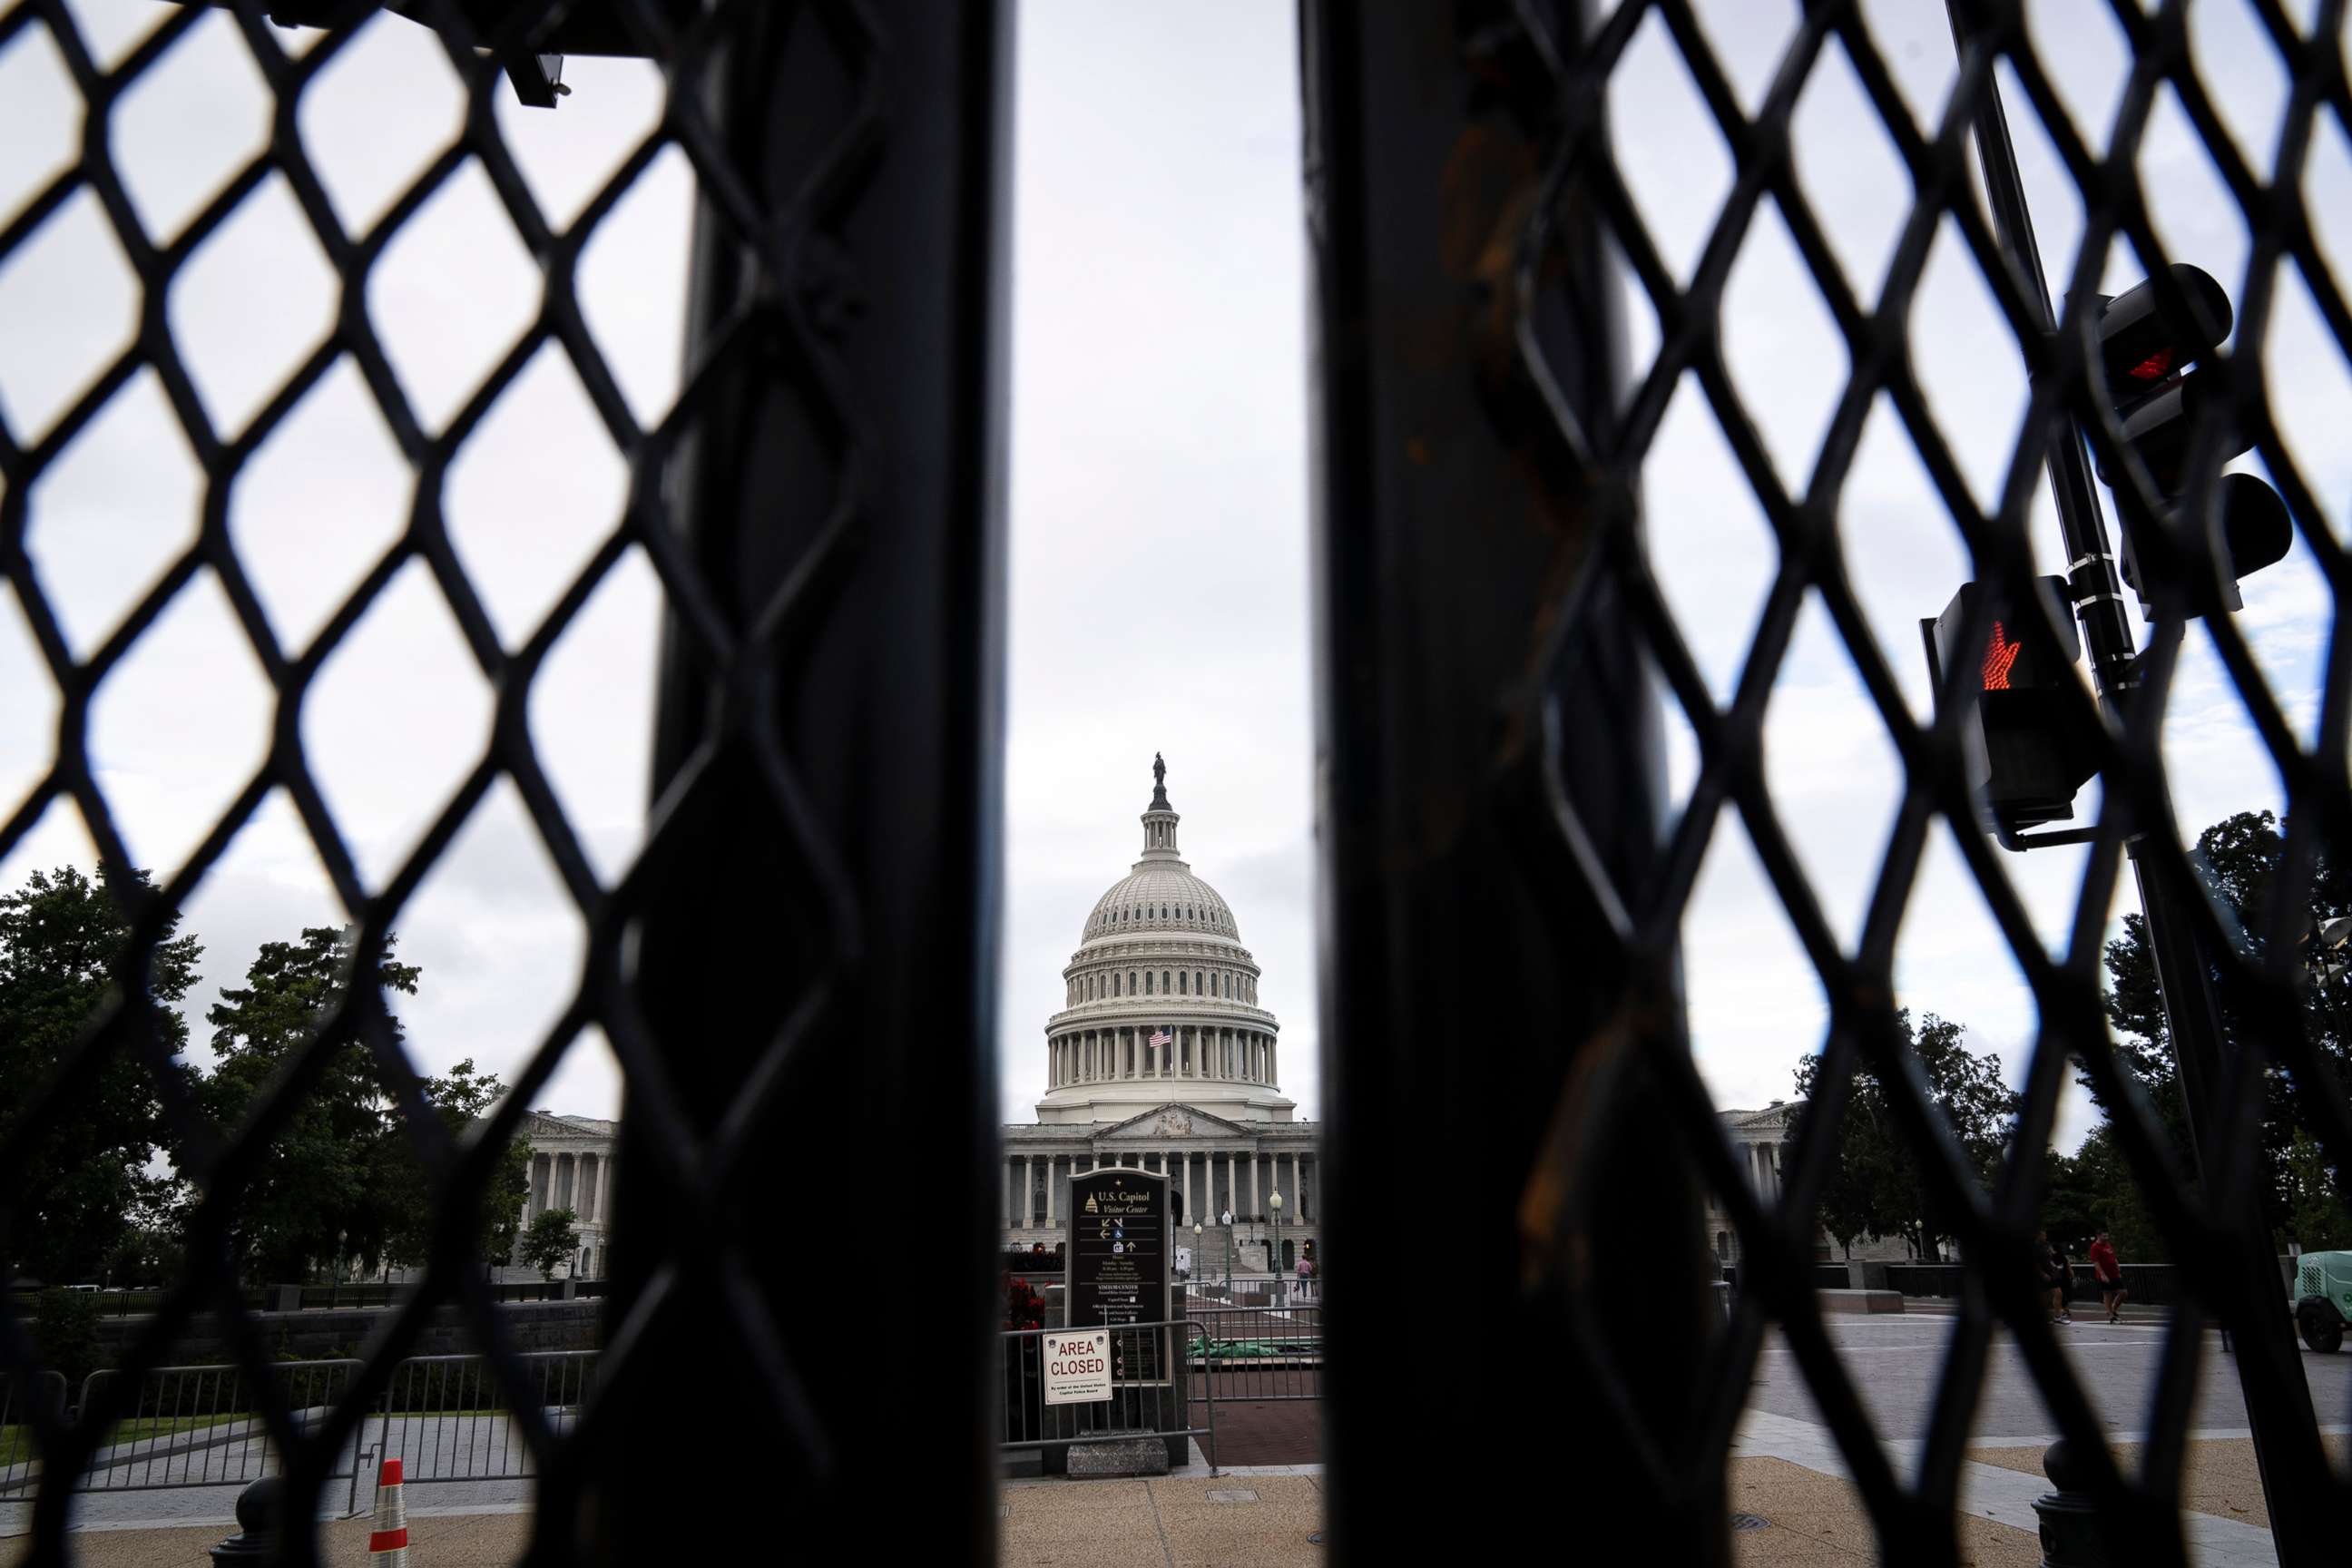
column 141, row 1301
column 1825, row 1276
column 811, row 924
column 1500, row 337
column 822, row 509
column 135, row 1302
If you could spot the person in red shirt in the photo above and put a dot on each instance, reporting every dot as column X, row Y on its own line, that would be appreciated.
column 2111, row 1277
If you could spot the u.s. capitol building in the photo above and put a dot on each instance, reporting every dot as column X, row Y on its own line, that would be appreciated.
column 1162, row 1060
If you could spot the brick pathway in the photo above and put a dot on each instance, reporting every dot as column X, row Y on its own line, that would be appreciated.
column 1268, row 1432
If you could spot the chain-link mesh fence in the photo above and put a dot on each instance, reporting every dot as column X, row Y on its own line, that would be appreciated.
column 1488, row 718
column 755, row 490
column 1511, row 878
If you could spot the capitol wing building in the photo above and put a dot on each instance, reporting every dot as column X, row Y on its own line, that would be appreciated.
column 1161, row 1060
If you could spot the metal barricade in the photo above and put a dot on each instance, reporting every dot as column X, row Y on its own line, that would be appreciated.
column 204, row 1426
column 451, row 1418
column 1252, row 1353
column 1155, row 1403
column 446, row 1418
column 1262, row 1291
column 19, row 1455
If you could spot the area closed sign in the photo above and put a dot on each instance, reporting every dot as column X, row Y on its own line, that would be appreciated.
column 1077, row 1367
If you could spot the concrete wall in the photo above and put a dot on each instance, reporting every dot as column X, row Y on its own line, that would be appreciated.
column 535, row 1325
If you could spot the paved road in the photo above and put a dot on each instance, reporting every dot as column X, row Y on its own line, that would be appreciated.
column 440, row 1454
column 1895, row 1362
column 218, row 1505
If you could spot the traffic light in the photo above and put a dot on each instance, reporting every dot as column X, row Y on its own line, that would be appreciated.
column 2026, row 753
column 2149, row 354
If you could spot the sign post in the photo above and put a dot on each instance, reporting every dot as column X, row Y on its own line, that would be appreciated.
column 1116, row 1264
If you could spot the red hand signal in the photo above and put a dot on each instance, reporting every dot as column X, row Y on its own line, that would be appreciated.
column 1998, row 657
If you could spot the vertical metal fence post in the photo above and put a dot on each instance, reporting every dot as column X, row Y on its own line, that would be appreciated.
column 1486, row 1008
column 2288, row 1452
column 815, row 953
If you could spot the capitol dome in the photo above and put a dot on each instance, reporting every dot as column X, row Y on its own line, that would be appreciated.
column 1161, row 999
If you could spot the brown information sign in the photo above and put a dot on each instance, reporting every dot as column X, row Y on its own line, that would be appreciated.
column 1117, row 1256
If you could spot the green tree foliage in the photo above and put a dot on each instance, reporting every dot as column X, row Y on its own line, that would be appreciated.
column 315, row 1204
column 65, row 1330
column 153, row 1250
column 1875, row 1187
column 2242, row 854
column 554, row 1239
column 341, row 1185
column 459, row 1098
column 62, row 939
column 2091, row 1190
column 2315, row 1215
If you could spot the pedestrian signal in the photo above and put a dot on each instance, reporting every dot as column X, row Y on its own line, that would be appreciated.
column 2025, row 757
column 2149, row 352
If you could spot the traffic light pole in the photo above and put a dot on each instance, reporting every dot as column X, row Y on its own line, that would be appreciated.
column 2296, row 1483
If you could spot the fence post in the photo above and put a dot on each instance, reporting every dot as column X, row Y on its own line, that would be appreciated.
column 1488, row 796
column 827, row 752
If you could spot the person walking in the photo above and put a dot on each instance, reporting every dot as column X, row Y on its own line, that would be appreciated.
column 1305, row 1271
column 2112, row 1291
column 2050, row 1272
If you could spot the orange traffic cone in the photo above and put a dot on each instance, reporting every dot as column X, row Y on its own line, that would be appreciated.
column 388, row 1544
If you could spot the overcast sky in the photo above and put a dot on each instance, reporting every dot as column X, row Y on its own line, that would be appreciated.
column 1159, row 498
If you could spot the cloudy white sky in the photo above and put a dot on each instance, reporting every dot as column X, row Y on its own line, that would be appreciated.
column 1158, row 496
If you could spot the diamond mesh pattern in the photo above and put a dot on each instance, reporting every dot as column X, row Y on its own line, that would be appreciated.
column 1557, row 83
column 802, row 299
column 1560, row 84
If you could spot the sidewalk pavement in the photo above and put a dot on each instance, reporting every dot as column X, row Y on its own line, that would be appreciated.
column 1783, row 1472
column 448, row 1540
column 1253, row 1518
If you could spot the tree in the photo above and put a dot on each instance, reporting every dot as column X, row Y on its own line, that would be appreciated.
column 153, row 1247
column 1877, row 1186
column 63, row 941
column 553, row 1239
column 2315, row 1215
column 459, row 1098
column 2091, row 1190
column 65, row 1330
column 341, row 1185
column 317, row 1200
column 2241, row 854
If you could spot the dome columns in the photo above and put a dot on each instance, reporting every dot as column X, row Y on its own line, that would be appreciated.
column 1198, row 1053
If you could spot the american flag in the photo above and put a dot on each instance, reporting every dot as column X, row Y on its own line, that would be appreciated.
column 1160, row 1038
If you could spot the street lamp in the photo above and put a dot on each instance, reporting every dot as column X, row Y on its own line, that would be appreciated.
column 1194, row 1273
column 1226, row 1219
column 1274, row 1203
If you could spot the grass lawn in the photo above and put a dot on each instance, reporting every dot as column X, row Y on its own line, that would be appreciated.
column 16, row 1442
